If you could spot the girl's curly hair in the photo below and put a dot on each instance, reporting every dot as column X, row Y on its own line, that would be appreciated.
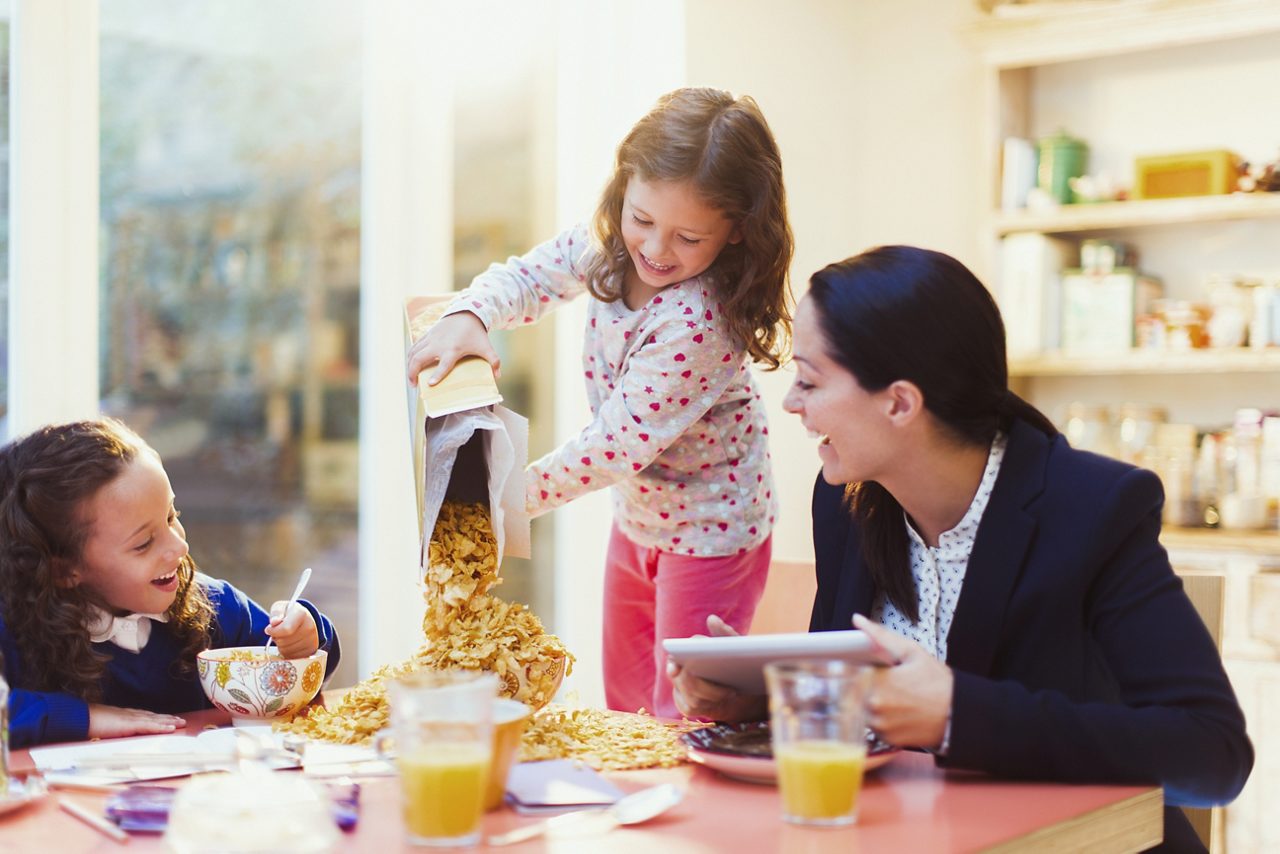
column 45, row 480
column 724, row 147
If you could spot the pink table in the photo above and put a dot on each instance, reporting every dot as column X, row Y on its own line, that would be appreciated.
column 908, row 805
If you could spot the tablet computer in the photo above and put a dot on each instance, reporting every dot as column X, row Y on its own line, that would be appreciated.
column 738, row 660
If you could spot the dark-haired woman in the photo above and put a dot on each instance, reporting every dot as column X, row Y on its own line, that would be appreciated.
column 1039, row 628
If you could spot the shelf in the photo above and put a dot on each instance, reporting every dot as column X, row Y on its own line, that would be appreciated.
column 1137, row 362
column 1088, row 30
column 1141, row 213
column 1210, row 539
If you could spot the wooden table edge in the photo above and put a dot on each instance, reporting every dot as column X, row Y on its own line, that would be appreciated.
column 1134, row 824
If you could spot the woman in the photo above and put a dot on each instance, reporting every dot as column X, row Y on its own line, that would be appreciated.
column 1039, row 628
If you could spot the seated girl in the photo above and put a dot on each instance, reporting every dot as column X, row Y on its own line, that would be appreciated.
column 1038, row 628
column 102, row 610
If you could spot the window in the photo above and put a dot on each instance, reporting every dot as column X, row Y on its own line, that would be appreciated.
column 4, row 219
column 230, row 223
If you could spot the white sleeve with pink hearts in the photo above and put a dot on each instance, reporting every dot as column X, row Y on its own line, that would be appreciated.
column 678, row 428
column 526, row 287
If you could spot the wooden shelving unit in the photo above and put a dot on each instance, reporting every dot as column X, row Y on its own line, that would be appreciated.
column 1045, row 35
column 1148, row 362
column 1261, row 543
column 1033, row 55
column 1141, row 213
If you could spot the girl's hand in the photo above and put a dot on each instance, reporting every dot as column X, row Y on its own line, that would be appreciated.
column 908, row 703
column 450, row 339
column 296, row 633
column 699, row 698
column 114, row 722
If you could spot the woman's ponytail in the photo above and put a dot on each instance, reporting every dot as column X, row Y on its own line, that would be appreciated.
column 1011, row 406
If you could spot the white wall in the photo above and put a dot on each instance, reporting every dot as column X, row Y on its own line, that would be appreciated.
column 874, row 105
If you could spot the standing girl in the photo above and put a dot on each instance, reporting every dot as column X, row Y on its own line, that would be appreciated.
column 686, row 262
column 102, row 611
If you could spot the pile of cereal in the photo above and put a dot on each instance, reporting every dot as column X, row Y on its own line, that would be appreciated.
column 605, row 740
column 465, row 628
column 469, row 629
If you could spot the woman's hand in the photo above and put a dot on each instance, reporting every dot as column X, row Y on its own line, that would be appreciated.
column 114, row 722
column 699, row 698
column 448, row 340
column 909, row 702
column 295, row 633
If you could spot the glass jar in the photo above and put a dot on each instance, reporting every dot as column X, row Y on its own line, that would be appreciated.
column 1231, row 308
column 1088, row 428
column 1184, row 325
column 1172, row 456
column 1136, row 430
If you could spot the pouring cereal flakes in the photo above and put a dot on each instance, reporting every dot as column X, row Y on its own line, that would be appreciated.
column 464, row 628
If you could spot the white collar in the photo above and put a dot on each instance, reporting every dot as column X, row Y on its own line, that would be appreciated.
column 130, row 632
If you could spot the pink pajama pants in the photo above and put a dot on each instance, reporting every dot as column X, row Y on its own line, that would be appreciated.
column 650, row 595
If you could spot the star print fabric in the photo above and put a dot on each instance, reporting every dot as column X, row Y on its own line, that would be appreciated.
column 678, row 426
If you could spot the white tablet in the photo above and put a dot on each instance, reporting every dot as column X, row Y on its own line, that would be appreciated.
column 738, row 661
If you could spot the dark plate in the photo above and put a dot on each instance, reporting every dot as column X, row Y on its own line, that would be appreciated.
column 752, row 739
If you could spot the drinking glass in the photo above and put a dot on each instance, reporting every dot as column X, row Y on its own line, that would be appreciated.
column 818, row 724
column 442, row 726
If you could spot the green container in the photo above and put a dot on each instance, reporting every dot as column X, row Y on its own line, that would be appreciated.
column 1062, row 158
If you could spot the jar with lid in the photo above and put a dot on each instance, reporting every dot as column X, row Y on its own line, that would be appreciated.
column 1089, row 428
column 1230, row 307
column 1239, row 501
column 1184, row 325
column 1172, row 456
column 1263, row 328
column 1136, row 430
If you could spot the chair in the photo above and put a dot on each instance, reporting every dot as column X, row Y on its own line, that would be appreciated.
column 787, row 601
column 1205, row 593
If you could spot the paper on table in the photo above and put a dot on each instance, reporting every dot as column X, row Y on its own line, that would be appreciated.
column 558, row 784
column 59, row 763
column 322, row 759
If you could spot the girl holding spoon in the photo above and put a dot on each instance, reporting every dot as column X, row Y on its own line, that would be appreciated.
column 102, row 610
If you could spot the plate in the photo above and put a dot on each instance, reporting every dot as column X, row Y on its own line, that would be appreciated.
column 744, row 751
column 20, row 794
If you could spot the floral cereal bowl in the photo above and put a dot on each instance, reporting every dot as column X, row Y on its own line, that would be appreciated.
column 252, row 682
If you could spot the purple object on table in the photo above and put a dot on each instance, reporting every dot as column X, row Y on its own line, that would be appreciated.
column 145, row 809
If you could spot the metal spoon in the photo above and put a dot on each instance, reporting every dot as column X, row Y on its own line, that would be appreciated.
column 297, row 591
column 633, row 809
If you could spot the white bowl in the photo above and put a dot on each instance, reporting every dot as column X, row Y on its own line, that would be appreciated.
column 254, row 683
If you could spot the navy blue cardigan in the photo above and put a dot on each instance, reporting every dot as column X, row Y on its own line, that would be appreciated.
column 1077, row 655
column 146, row 679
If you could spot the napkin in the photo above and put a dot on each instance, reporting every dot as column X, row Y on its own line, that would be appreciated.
column 558, row 784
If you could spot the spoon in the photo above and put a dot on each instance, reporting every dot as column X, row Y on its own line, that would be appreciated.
column 633, row 809
column 297, row 591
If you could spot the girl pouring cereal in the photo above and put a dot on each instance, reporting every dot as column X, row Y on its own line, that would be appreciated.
column 685, row 262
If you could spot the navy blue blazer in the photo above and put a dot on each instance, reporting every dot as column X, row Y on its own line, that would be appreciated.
column 1077, row 655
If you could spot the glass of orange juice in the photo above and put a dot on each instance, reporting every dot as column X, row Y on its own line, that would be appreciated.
column 818, row 722
column 442, row 726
